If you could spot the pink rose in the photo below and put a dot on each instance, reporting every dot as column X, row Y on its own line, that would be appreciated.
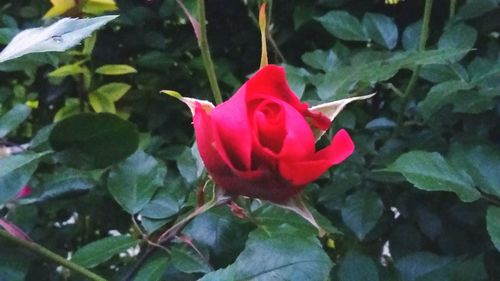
column 260, row 143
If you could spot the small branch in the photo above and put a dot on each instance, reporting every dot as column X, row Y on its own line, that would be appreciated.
column 174, row 230
column 453, row 7
column 49, row 255
column 413, row 79
column 205, row 53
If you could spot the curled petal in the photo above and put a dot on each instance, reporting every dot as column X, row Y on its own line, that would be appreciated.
column 305, row 171
column 190, row 102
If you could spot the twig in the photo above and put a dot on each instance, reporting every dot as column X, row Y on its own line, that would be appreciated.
column 205, row 53
column 49, row 255
column 413, row 79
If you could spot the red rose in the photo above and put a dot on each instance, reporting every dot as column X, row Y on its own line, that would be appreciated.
column 260, row 143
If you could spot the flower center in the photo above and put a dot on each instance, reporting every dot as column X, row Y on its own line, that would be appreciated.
column 270, row 124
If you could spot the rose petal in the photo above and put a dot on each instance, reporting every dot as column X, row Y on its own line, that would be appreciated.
column 232, row 136
column 271, row 81
column 304, row 172
column 205, row 140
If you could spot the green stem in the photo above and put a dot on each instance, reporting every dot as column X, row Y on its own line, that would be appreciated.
column 453, row 7
column 205, row 53
column 46, row 253
column 414, row 76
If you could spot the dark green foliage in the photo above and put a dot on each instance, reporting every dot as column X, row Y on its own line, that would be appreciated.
column 419, row 200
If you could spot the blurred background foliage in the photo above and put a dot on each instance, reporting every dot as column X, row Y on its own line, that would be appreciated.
column 419, row 200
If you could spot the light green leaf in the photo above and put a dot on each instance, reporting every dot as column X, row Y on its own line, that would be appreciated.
column 114, row 91
column 97, row 252
column 381, row 29
column 57, row 37
column 115, row 69
column 343, row 25
column 493, row 225
column 13, row 118
column 69, row 69
column 430, row 171
column 134, row 181
column 101, row 103
column 361, row 212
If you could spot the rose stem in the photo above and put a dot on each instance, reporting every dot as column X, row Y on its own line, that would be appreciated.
column 413, row 79
column 46, row 253
column 453, row 6
column 205, row 53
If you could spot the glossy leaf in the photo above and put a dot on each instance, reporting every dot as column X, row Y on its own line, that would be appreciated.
column 134, row 181
column 289, row 254
column 97, row 252
column 430, row 171
column 361, row 212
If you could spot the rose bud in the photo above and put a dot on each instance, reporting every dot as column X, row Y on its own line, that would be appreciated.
column 261, row 142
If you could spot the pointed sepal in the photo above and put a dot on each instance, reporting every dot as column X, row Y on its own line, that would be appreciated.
column 296, row 205
column 190, row 102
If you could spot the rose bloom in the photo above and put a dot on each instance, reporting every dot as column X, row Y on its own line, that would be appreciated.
column 260, row 143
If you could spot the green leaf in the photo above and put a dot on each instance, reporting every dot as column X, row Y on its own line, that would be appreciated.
column 357, row 267
column 481, row 162
column 343, row 25
column 13, row 118
column 190, row 164
column 115, row 69
column 101, row 103
column 277, row 254
column 440, row 95
column 322, row 60
column 92, row 141
column 493, row 225
column 459, row 36
column 337, row 84
column 153, row 269
column 71, row 107
column 114, row 91
column 57, row 37
column 221, row 232
column 15, row 172
column 134, row 181
column 430, row 171
column 97, row 252
column 381, row 29
column 296, row 78
column 476, row 8
column 187, row 260
column 64, row 182
column 361, row 211
column 419, row 264
column 164, row 204
column 65, row 70
column 411, row 36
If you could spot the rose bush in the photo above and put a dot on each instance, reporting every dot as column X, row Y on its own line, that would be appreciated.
column 260, row 143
